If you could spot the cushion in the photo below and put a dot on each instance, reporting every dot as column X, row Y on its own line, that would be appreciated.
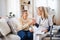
column 13, row 25
column 4, row 28
column 13, row 37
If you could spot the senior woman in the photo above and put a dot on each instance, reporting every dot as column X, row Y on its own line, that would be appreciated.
column 25, row 24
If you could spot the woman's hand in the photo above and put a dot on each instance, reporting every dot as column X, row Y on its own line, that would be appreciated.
column 45, row 31
column 32, row 22
column 31, row 30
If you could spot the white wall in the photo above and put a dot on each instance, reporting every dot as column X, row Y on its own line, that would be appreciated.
column 55, row 4
column 58, row 13
column 2, row 7
column 7, row 6
column 41, row 3
column 58, row 8
column 14, row 7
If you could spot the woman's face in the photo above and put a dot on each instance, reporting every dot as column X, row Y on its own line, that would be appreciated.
column 25, row 15
column 40, row 11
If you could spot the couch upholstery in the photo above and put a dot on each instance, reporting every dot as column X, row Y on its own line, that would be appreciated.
column 11, row 37
column 7, row 32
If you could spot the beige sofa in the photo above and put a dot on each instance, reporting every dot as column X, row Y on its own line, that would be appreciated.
column 7, row 31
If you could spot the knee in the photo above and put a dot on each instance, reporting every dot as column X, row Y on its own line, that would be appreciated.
column 22, row 34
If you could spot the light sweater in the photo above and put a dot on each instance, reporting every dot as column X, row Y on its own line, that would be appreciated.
column 24, row 24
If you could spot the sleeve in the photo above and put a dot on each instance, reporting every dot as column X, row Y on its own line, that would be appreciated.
column 21, row 27
column 25, row 25
column 37, row 25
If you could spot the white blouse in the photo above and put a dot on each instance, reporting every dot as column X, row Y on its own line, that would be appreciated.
column 45, row 23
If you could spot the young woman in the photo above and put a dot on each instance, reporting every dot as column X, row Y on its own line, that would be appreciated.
column 43, row 20
column 23, row 29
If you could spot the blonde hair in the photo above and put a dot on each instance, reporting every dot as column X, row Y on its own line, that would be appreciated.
column 45, row 13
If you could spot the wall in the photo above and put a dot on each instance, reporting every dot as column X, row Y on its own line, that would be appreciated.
column 2, row 8
column 55, row 4
column 14, row 7
column 58, row 13
column 7, row 6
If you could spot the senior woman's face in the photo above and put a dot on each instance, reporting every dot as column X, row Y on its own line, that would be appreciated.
column 25, row 14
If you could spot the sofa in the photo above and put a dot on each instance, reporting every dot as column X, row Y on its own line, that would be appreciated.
column 7, row 30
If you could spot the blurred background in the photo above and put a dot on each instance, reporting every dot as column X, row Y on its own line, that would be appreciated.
column 14, row 8
column 17, row 6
